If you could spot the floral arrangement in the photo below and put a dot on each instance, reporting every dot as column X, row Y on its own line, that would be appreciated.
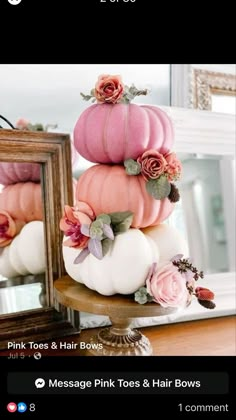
column 174, row 284
column 92, row 234
column 9, row 228
column 110, row 89
column 159, row 172
column 23, row 124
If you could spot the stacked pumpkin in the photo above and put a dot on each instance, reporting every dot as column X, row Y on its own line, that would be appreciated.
column 21, row 228
column 124, row 198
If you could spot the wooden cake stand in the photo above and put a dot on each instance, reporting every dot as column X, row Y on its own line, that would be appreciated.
column 119, row 339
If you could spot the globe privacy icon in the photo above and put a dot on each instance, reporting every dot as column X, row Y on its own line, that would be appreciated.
column 14, row 2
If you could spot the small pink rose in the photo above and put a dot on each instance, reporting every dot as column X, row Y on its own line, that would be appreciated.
column 22, row 124
column 168, row 287
column 174, row 166
column 9, row 228
column 71, row 223
column 109, row 89
column 153, row 164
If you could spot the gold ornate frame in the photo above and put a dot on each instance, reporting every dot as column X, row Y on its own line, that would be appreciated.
column 205, row 83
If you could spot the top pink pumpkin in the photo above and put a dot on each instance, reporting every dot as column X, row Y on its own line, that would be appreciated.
column 13, row 172
column 112, row 133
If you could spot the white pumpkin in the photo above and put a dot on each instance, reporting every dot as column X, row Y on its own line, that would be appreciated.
column 169, row 241
column 123, row 270
column 26, row 253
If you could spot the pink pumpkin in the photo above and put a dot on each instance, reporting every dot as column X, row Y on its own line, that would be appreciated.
column 107, row 133
column 23, row 201
column 11, row 173
column 107, row 189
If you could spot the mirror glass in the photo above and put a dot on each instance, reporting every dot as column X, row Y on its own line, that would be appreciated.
column 22, row 242
column 223, row 103
column 205, row 213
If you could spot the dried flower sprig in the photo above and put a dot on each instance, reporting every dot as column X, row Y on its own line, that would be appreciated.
column 184, row 266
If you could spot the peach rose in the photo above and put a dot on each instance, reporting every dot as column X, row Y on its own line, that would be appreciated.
column 72, row 221
column 167, row 286
column 22, row 124
column 153, row 164
column 109, row 89
column 174, row 166
column 9, row 228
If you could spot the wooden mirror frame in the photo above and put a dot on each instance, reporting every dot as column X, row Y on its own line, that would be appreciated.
column 53, row 152
column 205, row 83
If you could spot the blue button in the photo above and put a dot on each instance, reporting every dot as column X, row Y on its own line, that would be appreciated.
column 21, row 407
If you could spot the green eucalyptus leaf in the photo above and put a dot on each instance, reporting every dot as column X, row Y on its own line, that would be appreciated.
column 86, row 97
column 105, row 218
column 141, row 296
column 98, row 223
column 96, row 232
column 125, row 100
column 106, row 245
column 159, row 188
column 123, row 226
column 119, row 216
column 38, row 127
column 149, row 298
column 132, row 167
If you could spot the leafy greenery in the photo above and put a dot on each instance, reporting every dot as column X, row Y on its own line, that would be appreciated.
column 119, row 216
column 159, row 188
column 132, row 167
column 106, row 245
column 142, row 296
column 105, row 218
column 102, row 233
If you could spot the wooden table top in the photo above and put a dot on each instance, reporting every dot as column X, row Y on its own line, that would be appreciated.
column 77, row 296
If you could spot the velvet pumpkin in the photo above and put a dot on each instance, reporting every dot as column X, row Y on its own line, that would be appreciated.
column 107, row 133
column 123, row 270
column 23, row 201
column 107, row 189
column 26, row 253
column 11, row 173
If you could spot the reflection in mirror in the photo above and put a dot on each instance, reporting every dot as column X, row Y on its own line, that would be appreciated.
column 200, row 214
column 223, row 103
column 22, row 242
